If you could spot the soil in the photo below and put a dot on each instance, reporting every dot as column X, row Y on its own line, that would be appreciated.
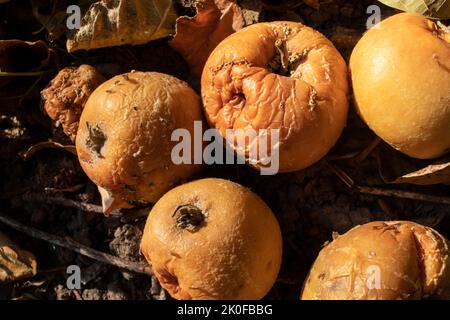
column 310, row 204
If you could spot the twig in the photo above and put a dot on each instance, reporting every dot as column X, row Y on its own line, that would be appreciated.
column 127, row 214
column 77, row 247
column 62, row 201
column 341, row 175
column 386, row 192
column 403, row 194
column 357, row 157
column 346, row 156
column 368, row 150
column 23, row 74
column 52, row 270
column 73, row 189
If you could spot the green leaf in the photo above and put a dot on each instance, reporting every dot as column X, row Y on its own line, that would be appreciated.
column 434, row 9
column 110, row 23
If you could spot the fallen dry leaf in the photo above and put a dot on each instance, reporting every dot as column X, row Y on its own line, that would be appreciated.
column 312, row 3
column 436, row 173
column 435, row 9
column 15, row 263
column 110, row 23
column 396, row 168
column 55, row 20
column 197, row 37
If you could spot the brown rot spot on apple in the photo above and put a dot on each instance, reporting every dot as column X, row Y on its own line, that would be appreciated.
column 188, row 217
column 127, row 123
column 166, row 277
column 96, row 139
column 232, row 249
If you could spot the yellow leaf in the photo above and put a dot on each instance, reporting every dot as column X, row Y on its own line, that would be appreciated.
column 110, row 23
column 435, row 9
column 435, row 173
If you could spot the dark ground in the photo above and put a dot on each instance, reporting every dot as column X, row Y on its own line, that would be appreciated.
column 309, row 204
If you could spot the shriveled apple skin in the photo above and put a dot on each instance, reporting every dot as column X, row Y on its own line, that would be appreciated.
column 308, row 104
column 124, row 137
column 381, row 260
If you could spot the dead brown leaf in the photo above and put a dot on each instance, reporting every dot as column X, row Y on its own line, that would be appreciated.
column 312, row 3
column 55, row 20
column 197, row 37
column 395, row 168
column 435, row 173
column 15, row 263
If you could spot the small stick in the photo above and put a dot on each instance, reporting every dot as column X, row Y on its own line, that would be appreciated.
column 357, row 156
column 386, row 192
column 62, row 201
column 23, row 74
column 368, row 150
column 52, row 270
column 347, row 156
column 77, row 247
column 403, row 194
column 128, row 214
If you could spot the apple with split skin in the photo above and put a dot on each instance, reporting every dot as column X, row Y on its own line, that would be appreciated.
column 382, row 260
